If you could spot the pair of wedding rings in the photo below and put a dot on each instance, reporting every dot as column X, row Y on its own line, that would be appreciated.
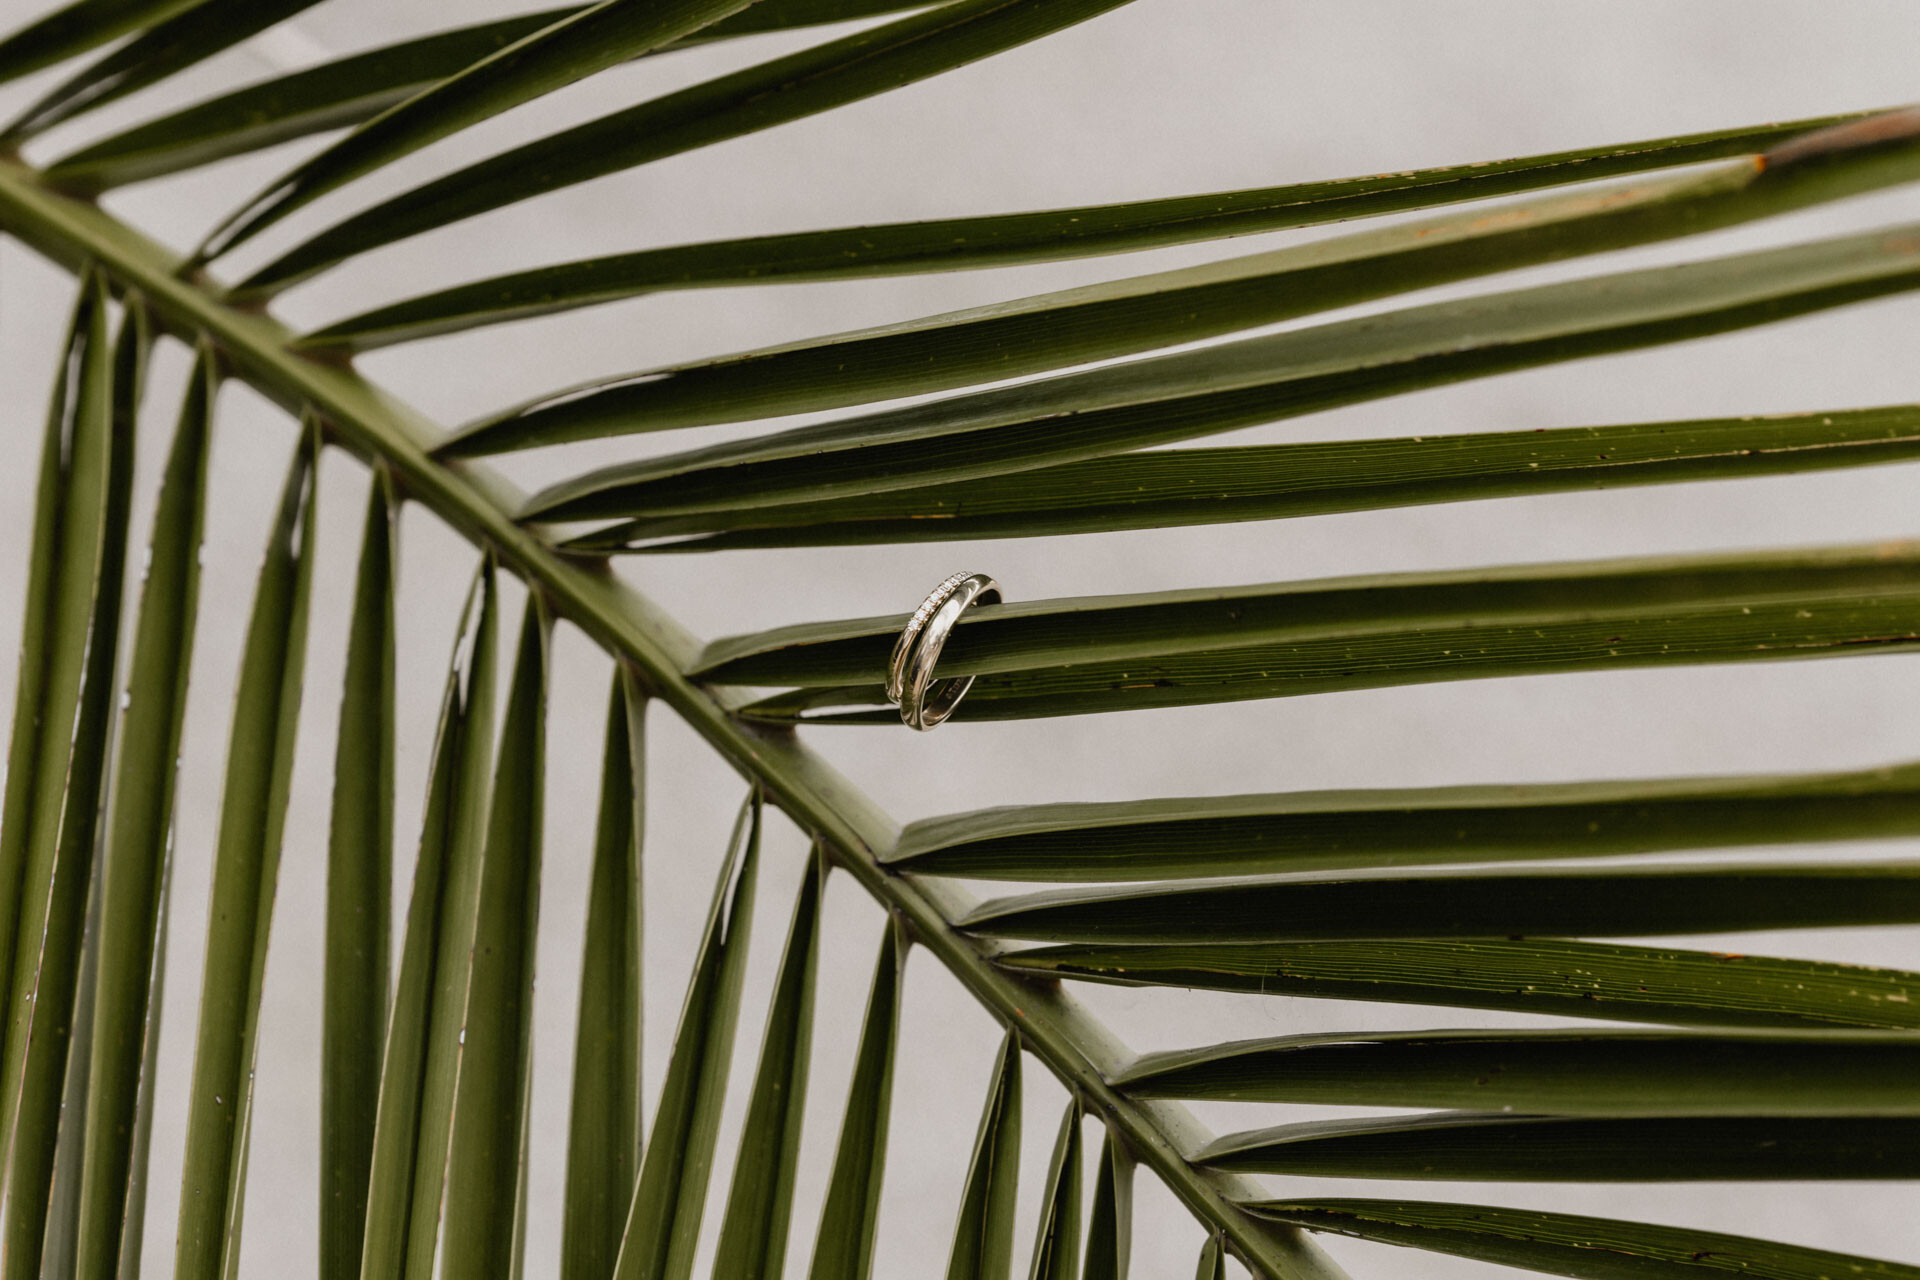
column 923, row 702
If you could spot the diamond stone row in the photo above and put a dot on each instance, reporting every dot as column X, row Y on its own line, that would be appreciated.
column 939, row 596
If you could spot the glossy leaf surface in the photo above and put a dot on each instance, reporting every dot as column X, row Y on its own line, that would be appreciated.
column 604, row 1128
column 983, row 1232
column 851, row 1216
column 1579, row 1072
column 1123, row 317
column 1565, row 1244
column 753, row 1235
column 1520, row 975
column 799, row 85
column 245, row 874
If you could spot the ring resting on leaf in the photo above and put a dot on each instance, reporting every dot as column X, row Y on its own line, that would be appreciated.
column 924, row 704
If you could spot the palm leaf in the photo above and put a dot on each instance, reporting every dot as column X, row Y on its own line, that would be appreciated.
column 753, row 1236
column 91, row 444
column 246, row 868
column 1587, row 1073
column 1458, row 1146
column 1520, row 975
column 1166, row 488
column 669, row 1198
column 133, row 884
column 1100, row 322
column 401, row 1125
column 1566, row 1245
column 983, row 1236
column 843, row 1250
column 836, row 73
column 353, row 90
column 359, row 879
column 603, row 1135
column 1171, row 398
column 1767, row 1068
column 184, row 35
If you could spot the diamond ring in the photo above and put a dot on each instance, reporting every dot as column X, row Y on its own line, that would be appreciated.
column 924, row 704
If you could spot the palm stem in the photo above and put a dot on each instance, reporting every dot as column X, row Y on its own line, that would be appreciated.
column 478, row 504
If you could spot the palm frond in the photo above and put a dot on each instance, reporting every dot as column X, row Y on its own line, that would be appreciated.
column 1753, row 1069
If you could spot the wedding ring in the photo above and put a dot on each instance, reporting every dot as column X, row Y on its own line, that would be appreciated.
column 924, row 704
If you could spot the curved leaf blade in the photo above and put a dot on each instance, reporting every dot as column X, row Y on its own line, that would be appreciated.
column 1565, row 1244
column 1470, row 904
column 189, row 36
column 1178, row 838
column 1213, row 1259
column 1167, row 398
column 1056, row 1245
column 1468, row 1146
column 983, row 1235
column 47, row 688
column 1110, row 1223
column 802, row 84
column 486, row 1162
column 1566, row 1073
column 999, row 240
column 1182, row 648
column 851, row 1215
column 1521, row 975
column 133, row 883
column 670, row 1196
column 359, row 889
column 1078, row 631
column 1124, row 317
column 344, row 92
column 94, row 446
column 245, row 871
column 577, row 46
column 77, row 27
column 396, row 1158
column 1167, row 488
column 603, row 1132
column 452, row 940
column 353, row 90
column 753, row 1234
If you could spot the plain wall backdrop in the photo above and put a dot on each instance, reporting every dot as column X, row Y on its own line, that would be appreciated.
column 1162, row 97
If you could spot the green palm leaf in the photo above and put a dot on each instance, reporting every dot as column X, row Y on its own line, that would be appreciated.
column 359, row 880
column 669, row 1197
column 1056, row 1245
column 844, row 1248
column 404, row 1131
column 1584, row 1072
column 603, row 1134
column 428, row 1149
column 1566, row 1245
column 87, row 457
column 1166, row 488
column 1468, row 904
column 78, row 27
column 983, row 1236
column 246, row 869
column 1100, row 322
column 753, row 1236
column 1179, row 397
column 1520, row 975
column 802, row 84
column 353, row 90
column 133, row 884
column 1456, row 1146
column 185, row 34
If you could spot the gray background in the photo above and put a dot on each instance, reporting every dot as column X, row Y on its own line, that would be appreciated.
column 1163, row 97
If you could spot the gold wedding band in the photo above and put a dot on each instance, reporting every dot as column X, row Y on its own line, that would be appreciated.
column 923, row 704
